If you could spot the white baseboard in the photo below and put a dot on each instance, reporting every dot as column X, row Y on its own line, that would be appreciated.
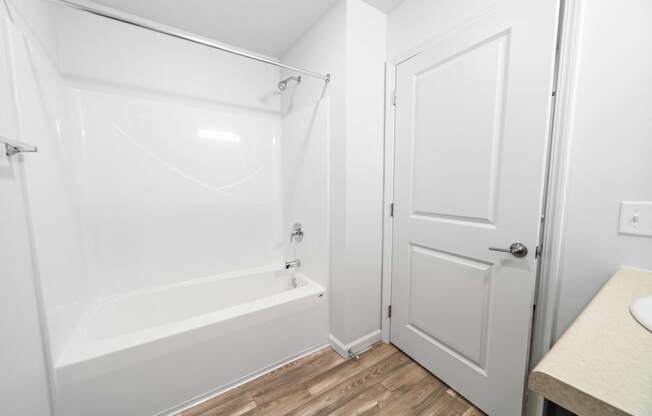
column 355, row 347
column 221, row 390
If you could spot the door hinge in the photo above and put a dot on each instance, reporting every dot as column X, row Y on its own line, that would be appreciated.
column 391, row 209
column 389, row 311
column 394, row 98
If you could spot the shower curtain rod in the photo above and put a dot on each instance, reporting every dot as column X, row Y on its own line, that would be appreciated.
column 186, row 36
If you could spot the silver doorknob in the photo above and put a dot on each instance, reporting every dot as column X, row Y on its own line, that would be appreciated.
column 516, row 250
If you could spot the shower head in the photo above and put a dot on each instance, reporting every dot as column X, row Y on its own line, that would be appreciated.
column 284, row 84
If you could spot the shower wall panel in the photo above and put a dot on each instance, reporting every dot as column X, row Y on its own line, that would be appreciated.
column 173, row 191
column 306, row 137
column 178, row 159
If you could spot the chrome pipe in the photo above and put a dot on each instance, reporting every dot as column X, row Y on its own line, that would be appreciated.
column 143, row 24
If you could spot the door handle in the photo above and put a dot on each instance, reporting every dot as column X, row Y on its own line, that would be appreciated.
column 517, row 250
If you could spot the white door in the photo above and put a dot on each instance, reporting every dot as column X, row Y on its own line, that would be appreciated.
column 472, row 117
column 23, row 383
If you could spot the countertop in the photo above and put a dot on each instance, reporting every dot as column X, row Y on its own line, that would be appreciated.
column 602, row 365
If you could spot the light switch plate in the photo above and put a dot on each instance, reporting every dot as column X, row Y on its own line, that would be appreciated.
column 636, row 218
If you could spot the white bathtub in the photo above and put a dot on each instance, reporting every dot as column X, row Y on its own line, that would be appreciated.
column 155, row 352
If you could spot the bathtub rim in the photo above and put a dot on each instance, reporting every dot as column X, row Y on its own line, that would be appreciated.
column 79, row 349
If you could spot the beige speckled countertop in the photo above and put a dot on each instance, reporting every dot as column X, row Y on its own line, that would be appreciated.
column 602, row 365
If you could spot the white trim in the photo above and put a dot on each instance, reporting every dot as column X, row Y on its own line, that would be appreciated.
column 549, row 284
column 221, row 390
column 359, row 345
column 388, row 198
column 436, row 38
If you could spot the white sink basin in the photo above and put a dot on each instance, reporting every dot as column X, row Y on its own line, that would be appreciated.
column 641, row 310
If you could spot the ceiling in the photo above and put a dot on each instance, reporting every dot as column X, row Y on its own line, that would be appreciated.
column 269, row 27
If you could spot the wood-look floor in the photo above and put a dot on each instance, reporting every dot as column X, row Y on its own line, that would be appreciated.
column 383, row 381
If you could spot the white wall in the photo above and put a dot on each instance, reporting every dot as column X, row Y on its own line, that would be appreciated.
column 24, row 383
column 357, row 264
column 178, row 156
column 414, row 22
column 54, row 215
column 37, row 18
column 349, row 43
column 101, row 51
column 610, row 150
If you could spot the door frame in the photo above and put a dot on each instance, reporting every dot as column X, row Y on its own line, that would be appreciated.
column 555, row 186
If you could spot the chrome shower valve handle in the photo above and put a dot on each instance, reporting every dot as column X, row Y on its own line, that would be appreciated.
column 296, row 233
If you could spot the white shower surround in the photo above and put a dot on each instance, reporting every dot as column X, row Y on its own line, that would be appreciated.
column 172, row 190
column 178, row 156
column 177, row 168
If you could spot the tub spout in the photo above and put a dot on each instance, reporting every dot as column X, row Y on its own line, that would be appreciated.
column 292, row 264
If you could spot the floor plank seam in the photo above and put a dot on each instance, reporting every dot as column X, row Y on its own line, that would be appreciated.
column 382, row 381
